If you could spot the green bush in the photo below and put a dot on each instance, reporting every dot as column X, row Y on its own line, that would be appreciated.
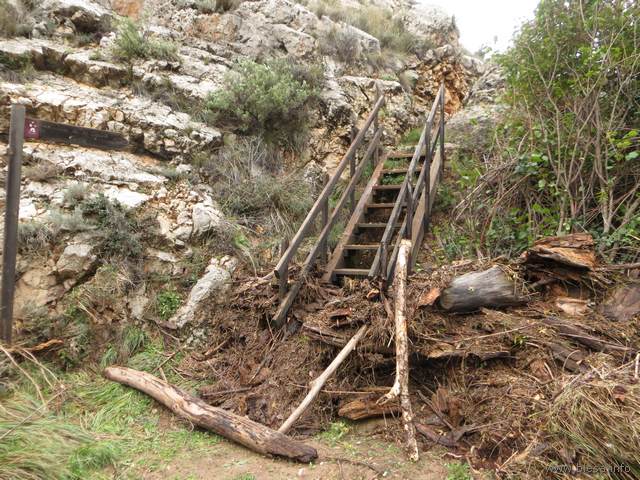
column 34, row 237
column 342, row 43
column 167, row 303
column 567, row 154
column 130, row 44
column 268, row 99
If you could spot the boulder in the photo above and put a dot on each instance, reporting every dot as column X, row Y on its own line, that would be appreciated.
column 205, row 217
column 86, row 15
column 210, row 287
column 76, row 260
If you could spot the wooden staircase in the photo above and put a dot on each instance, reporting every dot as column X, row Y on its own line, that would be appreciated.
column 394, row 203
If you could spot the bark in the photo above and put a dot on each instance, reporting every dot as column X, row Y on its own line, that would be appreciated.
column 318, row 383
column 252, row 435
column 367, row 407
column 401, row 385
column 472, row 291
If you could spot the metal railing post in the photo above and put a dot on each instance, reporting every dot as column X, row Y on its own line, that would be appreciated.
column 12, row 207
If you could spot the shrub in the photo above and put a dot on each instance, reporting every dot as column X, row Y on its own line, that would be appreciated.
column 42, row 171
column 342, row 43
column 75, row 194
column 69, row 222
column 268, row 99
column 12, row 21
column 567, row 155
column 249, row 182
column 34, row 236
column 18, row 70
column 210, row 6
column 130, row 43
column 167, row 303
column 120, row 237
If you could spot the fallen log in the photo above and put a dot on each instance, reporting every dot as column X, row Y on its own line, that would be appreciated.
column 316, row 385
column 367, row 407
column 572, row 360
column 472, row 291
column 400, row 386
column 252, row 435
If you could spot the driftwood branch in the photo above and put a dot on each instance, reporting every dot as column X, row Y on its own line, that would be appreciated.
column 317, row 384
column 252, row 435
column 401, row 384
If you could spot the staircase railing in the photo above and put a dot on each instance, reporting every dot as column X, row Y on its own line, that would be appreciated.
column 384, row 261
column 321, row 207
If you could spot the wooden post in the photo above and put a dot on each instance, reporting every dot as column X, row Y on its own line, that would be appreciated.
column 324, row 253
column 427, row 180
column 283, row 280
column 352, row 171
column 376, row 124
column 400, row 386
column 242, row 430
column 12, row 207
column 409, row 212
column 316, row 385
column 442, row 127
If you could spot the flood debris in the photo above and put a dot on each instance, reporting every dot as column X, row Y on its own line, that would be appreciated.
column 486, row 383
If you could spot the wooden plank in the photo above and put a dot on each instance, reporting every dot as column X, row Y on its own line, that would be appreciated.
column 372, row 225
column 396, row 186
column 337, row 257
column 12, row 207
column 45, row 131
column 283, row 263
column 352, row 272
column 361, row 246
column 379, row 205
column 390, row 171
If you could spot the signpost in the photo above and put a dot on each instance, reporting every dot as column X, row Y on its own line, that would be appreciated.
column 22, row 128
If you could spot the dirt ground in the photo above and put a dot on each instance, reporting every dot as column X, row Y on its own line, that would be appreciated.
column 341, row 459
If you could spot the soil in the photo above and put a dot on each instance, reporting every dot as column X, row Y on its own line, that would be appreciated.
column 343, row 459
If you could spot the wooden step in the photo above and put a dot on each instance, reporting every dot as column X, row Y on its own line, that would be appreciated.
column 380, row 205
column 388, row 187
column 362, row 246
column 403, row 154
column 400, row 170
column 374, row 225
column 352, row 272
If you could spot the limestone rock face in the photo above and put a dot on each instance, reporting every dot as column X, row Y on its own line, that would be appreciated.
column 149, row 125
column 211, row 287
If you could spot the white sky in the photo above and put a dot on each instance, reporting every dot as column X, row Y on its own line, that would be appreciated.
column 482, row 21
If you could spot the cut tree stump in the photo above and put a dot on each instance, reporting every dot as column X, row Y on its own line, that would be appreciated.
column 252, row 435
column 472, row 291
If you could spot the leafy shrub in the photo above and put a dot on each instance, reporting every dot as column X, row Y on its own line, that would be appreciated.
column 130, row 43
column 74, row 194
column 12, row 21
column 268, row 99
column 17, row 70
column 167, row 303
column 566, row 156
column 42, row 171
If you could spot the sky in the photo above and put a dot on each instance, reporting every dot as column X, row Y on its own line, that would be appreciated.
column 481, row 22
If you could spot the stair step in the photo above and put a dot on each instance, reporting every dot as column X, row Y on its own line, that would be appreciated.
column 352, row 272
column 388, row 187
column 400, row 170
column 380, row 205
column 362, row 246
column 374, row 225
